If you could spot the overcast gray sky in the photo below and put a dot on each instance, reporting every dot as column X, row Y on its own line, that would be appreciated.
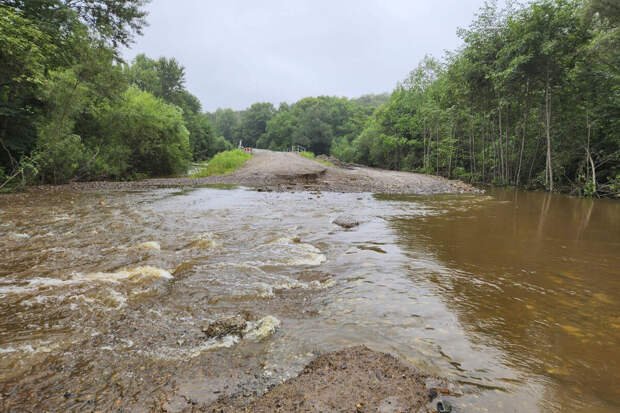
column 237, row 52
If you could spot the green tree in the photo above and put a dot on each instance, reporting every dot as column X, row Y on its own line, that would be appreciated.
column 254, row 123
column 153, row 131
column 226, row 121
column 24, row 53
column 113, row 21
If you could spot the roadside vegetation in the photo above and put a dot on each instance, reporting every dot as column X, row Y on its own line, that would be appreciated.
column 531, row 100
column 224, row 163
column 311, row 155
column 71, row 109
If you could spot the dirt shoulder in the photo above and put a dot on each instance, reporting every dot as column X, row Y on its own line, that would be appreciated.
column 284, row 171
column 355, row 379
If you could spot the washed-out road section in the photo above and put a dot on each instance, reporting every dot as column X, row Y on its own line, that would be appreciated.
column 289, row 171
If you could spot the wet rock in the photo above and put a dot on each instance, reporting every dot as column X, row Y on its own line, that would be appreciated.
column 432, row 393
column 347, row 221
column 225, row 326
column 444, row 406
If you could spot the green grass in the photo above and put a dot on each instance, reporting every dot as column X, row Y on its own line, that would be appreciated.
column 223, row 163
column 311, row 155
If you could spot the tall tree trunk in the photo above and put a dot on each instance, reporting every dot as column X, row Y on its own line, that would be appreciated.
column 535, row 155
column 589, row 154
column 483, row 148
column 549, row 169
column 499, row 143
column 506, row 149
column 424, row 142
column 527, row 108
column 450, row 151
column 472, row 156
column 437, row 147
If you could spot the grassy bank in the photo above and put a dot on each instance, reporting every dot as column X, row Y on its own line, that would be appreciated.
column 223, row 163
column 310, row 155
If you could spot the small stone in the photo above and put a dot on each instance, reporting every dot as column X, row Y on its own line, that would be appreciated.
column 432, row 393
column 346, row 221
column 444, row 406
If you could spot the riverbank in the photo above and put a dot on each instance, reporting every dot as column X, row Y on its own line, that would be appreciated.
column 287, row 171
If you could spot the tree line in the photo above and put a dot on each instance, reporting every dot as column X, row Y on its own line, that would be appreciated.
column 71, row 109
column 532, row 99
column 313, row 122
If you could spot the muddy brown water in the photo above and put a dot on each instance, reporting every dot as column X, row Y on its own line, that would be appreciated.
column 514, row 296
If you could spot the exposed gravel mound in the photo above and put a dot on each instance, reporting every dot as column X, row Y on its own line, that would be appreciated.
column 355, row 379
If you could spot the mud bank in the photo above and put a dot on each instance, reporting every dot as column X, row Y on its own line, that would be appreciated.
column 354, row 379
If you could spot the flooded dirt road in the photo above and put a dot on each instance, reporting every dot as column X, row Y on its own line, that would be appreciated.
column 514, row 296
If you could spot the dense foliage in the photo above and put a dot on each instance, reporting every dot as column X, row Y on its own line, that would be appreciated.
column 533, row 98
column 314, row 122
column 70, row 109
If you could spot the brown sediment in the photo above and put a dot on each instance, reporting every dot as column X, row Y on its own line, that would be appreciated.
column 354, row 379
column 287, row 171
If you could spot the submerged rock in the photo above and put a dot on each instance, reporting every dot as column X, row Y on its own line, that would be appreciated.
column 347, row 221
column 226, row 326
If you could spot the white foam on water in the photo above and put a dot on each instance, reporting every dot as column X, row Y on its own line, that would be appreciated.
column 246, row 266
column 268, row 287
column 264, row 290
column 113, row 298
column 134, row 275
column 311, row 260
column 215, row 343
column 33, row 348
column 261, row 329
column 149, row 245
column 51, row 282
column 15, row 290
column 204, row 241
column 285, row 251
column 16, row 236
column 6, row 350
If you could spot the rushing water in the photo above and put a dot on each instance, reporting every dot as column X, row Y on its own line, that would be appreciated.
column 514, row 296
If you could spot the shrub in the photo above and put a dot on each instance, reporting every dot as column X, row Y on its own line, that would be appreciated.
column 154, row 133
column 308, row 155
